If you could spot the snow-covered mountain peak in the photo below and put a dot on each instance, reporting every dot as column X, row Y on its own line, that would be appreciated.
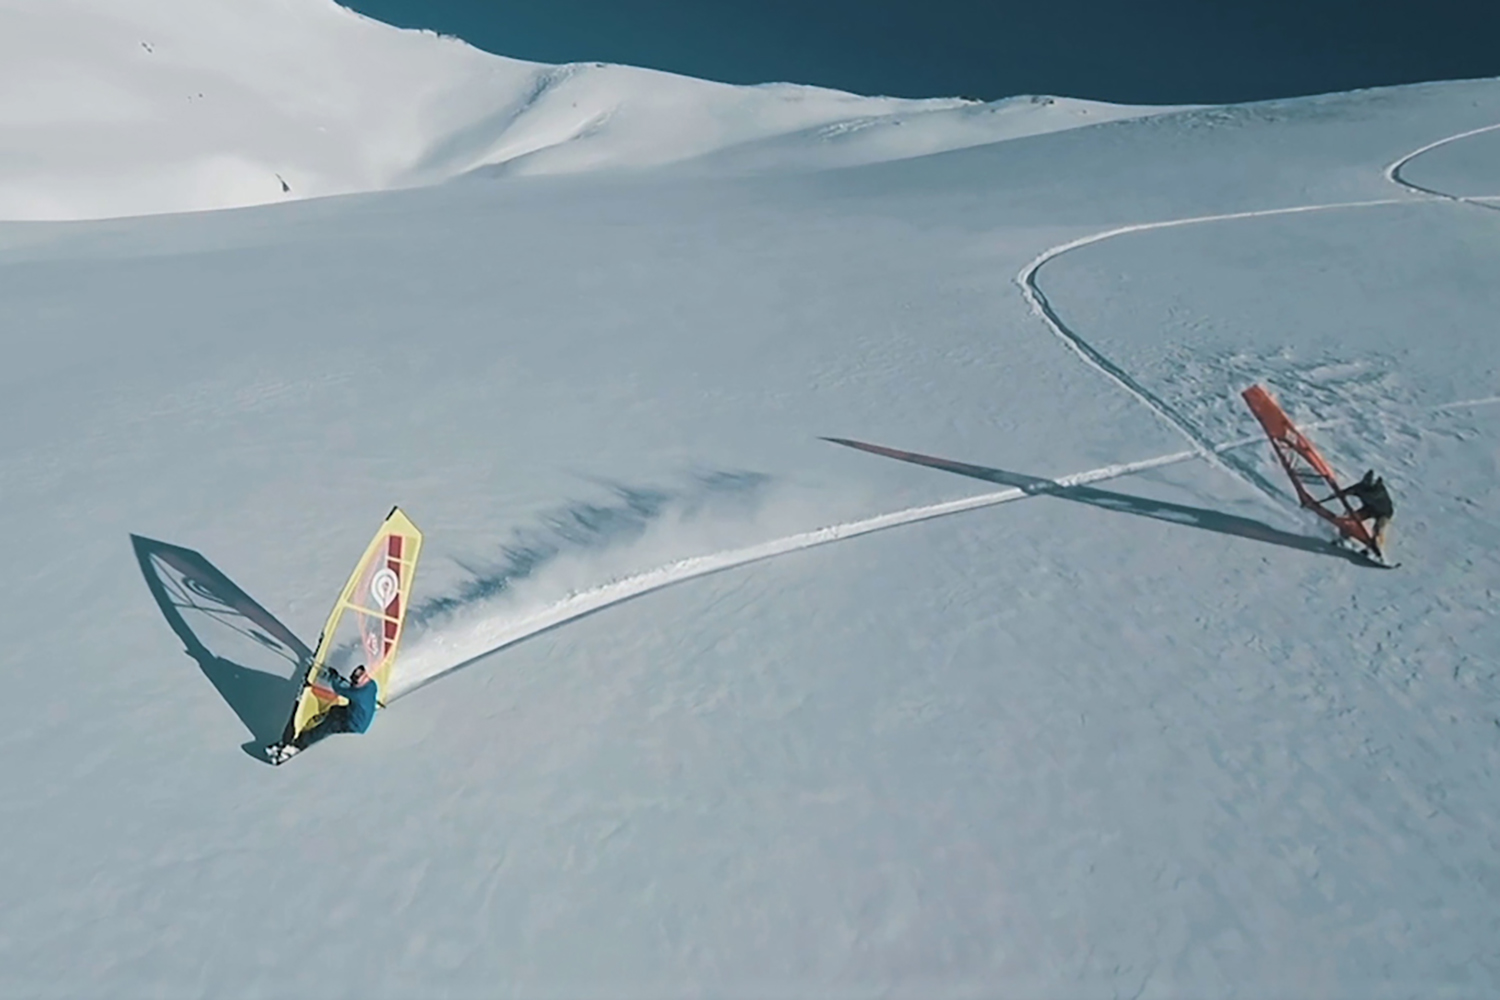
column 130, row 107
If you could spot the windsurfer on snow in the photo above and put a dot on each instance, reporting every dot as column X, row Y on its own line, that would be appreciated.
column 360, row 690
column 1374, row 502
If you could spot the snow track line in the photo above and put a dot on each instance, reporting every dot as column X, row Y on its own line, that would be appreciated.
column 472, row 641
column 1041, row 306
column 1467, row 404
column 1393, row 172
column 480, row 638
column 466, row 644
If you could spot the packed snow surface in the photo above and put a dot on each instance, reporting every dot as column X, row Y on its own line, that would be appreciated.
column 1033, row 682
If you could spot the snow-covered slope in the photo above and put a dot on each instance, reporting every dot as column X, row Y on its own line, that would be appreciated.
column 699, row 704
column 111, row 108
column 918, row 132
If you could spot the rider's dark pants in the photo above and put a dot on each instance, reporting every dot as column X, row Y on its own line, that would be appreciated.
column 336, row 721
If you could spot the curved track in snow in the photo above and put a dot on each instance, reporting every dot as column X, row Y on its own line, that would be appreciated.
column 472, row 641
column 1042, row 306
column 458, row 647
column 1393, row 172
column 462, row 646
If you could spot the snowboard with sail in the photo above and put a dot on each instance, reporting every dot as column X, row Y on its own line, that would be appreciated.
column 1310, row 473
column 364, row 628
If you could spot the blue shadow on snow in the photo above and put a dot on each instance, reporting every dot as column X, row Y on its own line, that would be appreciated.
column 1124, row 503
column 185, row 584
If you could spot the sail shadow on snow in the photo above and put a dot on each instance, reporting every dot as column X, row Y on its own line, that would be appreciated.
column 223, row 629
column 1125, row 503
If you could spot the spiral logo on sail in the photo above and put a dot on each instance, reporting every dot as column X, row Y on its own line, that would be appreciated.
column 384, row 586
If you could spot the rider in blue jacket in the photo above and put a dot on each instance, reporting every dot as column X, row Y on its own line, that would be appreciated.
column 360, row 690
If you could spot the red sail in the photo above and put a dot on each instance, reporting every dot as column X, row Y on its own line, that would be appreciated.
column 1306, row 468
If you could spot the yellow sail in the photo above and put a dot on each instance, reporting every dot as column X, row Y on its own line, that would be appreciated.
column 365, row 625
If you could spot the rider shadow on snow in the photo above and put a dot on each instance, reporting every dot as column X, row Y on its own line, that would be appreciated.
column 216, row 620
column 1125, row 503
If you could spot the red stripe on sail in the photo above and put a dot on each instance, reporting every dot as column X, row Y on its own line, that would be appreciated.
column 393, row 548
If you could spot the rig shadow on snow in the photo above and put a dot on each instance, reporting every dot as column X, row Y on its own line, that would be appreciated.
column 189, row 589
column 1125, row 503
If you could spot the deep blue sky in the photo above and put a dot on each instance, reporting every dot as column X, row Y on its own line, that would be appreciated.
column 1149, row 51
